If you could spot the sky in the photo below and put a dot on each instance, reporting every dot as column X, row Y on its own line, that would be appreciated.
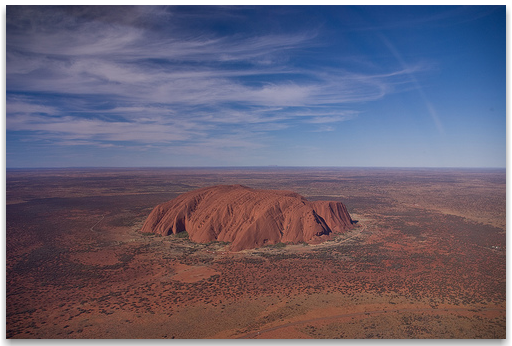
column 175, row 86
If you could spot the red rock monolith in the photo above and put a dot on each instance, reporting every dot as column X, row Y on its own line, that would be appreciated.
column 248, row 218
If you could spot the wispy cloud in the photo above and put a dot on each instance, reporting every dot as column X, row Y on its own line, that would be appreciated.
column 324, row 128
column 143, row 80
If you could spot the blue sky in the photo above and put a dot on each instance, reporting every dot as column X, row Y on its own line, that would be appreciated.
column 391, row 86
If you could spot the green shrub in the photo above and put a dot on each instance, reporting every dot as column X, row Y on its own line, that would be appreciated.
column 218, row 242
column 147, row 234
column 182, row 235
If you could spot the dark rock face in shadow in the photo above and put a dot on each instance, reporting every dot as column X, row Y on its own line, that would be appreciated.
column 248, row 218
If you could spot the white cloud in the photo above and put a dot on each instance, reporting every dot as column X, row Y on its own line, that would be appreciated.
column 73, row 128
column 169, row 87
column 327, row 119
column 324, row 128
column 17, row 107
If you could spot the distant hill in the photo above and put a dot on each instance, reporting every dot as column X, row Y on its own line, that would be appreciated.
column 248, row 218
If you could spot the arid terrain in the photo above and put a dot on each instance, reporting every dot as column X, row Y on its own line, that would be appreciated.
column 426, row 258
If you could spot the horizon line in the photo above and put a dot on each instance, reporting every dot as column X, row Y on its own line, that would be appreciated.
column 251, row 167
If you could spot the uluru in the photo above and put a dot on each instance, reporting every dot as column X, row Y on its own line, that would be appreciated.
column 248, row 218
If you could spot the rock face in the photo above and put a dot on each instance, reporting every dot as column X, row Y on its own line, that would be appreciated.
column 248, row 218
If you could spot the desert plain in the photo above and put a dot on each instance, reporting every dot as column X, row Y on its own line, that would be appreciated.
column 426, row 258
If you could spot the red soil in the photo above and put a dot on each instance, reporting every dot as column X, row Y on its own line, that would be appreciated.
column 102, row 258
column 185, row 273
column 248, row 218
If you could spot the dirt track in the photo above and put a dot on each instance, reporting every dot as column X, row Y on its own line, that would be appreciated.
column 97, row 223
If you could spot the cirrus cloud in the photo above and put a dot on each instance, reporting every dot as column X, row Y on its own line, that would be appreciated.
column 81, row 75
